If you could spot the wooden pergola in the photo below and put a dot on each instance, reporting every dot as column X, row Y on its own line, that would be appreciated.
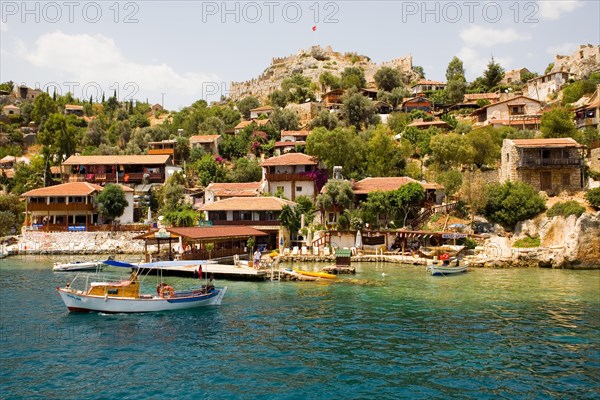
column 192, row 242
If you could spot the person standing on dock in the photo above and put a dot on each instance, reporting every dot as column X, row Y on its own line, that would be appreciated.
column 199, row 272
column 257, row 259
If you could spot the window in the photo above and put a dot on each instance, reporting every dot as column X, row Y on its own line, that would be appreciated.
column 331, row 217
column 236, row 215
column 298, row 188
column 247, row 215
column 566, row 179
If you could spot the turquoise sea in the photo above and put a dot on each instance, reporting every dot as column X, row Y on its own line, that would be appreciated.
column 389, row 332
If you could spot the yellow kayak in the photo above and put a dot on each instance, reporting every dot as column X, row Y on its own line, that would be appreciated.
column 316, row 274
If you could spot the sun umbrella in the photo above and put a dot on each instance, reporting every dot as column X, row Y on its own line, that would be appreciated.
column 358, row 242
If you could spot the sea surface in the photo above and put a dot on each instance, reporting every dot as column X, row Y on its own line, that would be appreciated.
column 389, row 332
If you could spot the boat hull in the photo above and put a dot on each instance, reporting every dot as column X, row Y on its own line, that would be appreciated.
column 79, row 302
column 82, row 266
column 316, row 274
column 437, row 270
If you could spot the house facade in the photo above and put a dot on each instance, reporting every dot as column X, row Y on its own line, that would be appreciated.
column 69, row 207
column 260, row 213
column 210, row 143
column 514, row 76
column 258, row 111
column 425, row 85
column 221, row 191
column 259, row 123
column 289, row 141
column 124, row 169
column 74, row 109
column 417, row 103
column 588, row 115
column 520, row 111
column 543, row 87
column 11, row 110
column 293, row 174
column 550, row 165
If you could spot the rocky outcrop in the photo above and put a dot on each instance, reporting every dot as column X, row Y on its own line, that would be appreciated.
column 584, row 61
column 312, row 63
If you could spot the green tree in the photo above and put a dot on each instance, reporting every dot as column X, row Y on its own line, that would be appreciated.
column 59, row 136
column 112, row 202
column 325, row 119
column 212, row 126
column 43, row 106
column 357, row 110
column 298, row 88
column 451, row 180
column 7, row 86
column 558, row 122
column 209, row 170
column 245, row 170
column 492, row 75
column 341, row 146
column 593, row 198
column 419, row 70
column 336, row 194
column 387, row 78
column 408, row 199
column 382, row 155
column 8, row 222
column 456, row 81
column 285, row 120
column 246, row 104
column 290, row 218
column 473, row 192
column 509, row 203
column 329, row 81
column 485, row 144
column 278, row 99
column 353, row 77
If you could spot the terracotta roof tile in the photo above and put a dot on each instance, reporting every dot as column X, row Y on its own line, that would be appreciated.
column 559, row 142
column 116, row 160
column 65, row 189
column 289, row 159
column 204, row 138
column 258, row 122
column 295, row 133
column 245, row 189
column 210, row 232
column 426, row 82
column 386, row 184
column 248, row 204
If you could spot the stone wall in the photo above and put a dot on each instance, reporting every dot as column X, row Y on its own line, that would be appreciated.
column 34, row 242
column 582, row 62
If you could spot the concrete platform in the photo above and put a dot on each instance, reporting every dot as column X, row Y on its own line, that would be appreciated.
column 220, row 271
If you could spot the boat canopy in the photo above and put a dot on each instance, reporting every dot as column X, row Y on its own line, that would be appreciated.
column 157, row 264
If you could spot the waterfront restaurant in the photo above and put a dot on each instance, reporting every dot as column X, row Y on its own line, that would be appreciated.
column 190, row 243
column 68, row 207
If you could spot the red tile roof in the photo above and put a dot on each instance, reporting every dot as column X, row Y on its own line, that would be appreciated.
column 286, row 144
column 429, row 123
column 386, row 184
column 204, row 138
column 245, row 189
column 210, row 232
column 295, row 133
column 426, row 82
column 559, row 142
column 64, row 190
column 259, row 122
column 117, row 160
column 248, row 204
column 289, row 159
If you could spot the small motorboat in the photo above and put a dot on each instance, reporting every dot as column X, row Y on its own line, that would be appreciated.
column 78, row 266
column 316, row 274
column 125, row 296
column 450, row 266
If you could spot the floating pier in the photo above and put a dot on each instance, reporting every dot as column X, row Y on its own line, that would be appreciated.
column 220, row 271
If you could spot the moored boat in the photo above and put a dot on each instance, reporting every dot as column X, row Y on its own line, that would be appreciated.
column 441, row 270
column 125, row 296
column 316, row 274
column 77, row 266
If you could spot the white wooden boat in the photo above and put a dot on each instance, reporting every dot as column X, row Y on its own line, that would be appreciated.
column 442, row 270
column 77, row 266
column 85, row 293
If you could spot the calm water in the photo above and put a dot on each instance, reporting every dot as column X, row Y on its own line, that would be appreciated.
column 388, row 332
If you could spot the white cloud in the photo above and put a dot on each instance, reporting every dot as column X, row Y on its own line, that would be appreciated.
column 85, row 59
column 478, row 36
column 562, row 48
column 475, row 63
column 552, row 10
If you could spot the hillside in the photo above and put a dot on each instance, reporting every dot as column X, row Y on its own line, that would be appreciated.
column 312, row 63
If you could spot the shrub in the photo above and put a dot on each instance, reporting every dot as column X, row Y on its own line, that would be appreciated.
column 528, row 241
column 593, row 197
column 509, row 203
column 565, row 209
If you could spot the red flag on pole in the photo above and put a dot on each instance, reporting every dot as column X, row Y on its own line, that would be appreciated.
column 314, row 28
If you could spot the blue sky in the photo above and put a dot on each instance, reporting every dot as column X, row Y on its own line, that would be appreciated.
column 189, row 50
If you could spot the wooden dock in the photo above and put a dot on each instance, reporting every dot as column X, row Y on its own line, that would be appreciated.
column 220, row 271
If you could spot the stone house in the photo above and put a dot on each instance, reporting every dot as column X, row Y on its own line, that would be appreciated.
column 521, row 111
column 550, row 165
column 543, row 87
column 220, row 191
column 514, row 76
column 588, row 114
column 73, row 109
column 11, row 110
column 259, row 111
column 210, row 143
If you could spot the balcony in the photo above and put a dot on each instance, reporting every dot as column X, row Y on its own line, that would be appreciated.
column 60, row 207
column 128, row 177
column 288, row 177
column 550, row 162
column 168, row 152
column 246, row 223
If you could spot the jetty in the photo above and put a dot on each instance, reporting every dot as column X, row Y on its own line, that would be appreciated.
column 220, row 271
